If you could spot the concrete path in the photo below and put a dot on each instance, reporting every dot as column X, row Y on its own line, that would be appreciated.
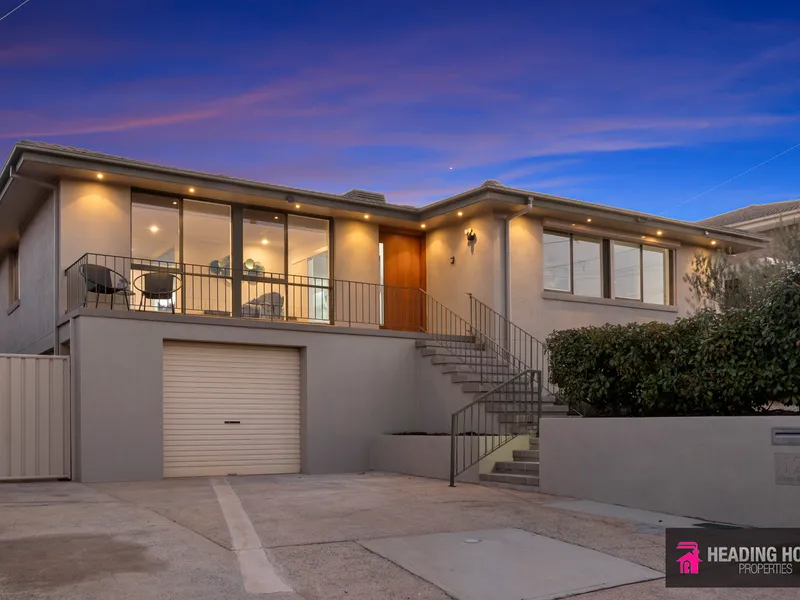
column 170, row 539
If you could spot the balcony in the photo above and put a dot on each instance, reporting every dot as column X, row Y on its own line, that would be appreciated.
column 107, row 282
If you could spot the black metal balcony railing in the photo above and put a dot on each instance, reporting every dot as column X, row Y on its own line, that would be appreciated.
column 134, row 284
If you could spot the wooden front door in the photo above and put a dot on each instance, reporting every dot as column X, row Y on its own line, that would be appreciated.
column 403, row 278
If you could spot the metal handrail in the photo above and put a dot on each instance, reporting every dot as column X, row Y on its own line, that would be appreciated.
column 478, row 352
column 522, row 349
column 517, row 396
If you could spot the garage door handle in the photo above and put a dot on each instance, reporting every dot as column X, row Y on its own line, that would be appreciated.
column 232, row 422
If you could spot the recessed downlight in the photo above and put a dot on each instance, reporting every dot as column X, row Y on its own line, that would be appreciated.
column 191, row 190
column 423, row 225
column 366, row 216
column 460, row 214
column 659, row 232
column 100, row 175
column 297, row 206
column 154, row 228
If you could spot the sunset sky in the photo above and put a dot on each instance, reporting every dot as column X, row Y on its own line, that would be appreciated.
column 641, row 104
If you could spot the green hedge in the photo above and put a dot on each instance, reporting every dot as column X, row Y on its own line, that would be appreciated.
column 729, row 363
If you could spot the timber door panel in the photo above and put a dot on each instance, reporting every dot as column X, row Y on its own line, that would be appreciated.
column 403, row 277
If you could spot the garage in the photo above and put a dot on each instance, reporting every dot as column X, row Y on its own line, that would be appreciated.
column 230, row 409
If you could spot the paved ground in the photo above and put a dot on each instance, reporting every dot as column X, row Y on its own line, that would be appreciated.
column 170, row 540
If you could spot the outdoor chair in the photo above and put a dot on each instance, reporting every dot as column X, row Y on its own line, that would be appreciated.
column 157, row 286
column 102, row 281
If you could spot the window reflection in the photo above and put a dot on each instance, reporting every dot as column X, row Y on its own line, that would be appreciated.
column 556, row 262
column 586, row 265
column 655, row 275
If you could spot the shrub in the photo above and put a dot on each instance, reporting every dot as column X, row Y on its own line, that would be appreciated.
column 711, row 363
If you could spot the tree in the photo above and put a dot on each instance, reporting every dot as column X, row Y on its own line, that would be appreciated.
column 723, row 281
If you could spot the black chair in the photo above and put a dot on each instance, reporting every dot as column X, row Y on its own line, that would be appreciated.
column 102, row 281
column 157, row 286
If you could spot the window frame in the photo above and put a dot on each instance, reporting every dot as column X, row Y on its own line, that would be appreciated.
column 237, row 228
column 14, row 281
column 607, row 267
column 581, row 237
column 237, row 236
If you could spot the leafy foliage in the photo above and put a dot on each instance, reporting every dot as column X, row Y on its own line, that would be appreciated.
column 712, row 363
column 722, row 281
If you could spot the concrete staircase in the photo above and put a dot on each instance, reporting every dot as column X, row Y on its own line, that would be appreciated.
column 523, row 471
column 520, row 473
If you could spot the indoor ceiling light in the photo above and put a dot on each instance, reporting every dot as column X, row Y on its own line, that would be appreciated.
column 154, row 228
column 713, row 242
column 265, row 241
column 100, row 175
column 423, row 225
column 366, row 216
column 589, row 220
column 191, row 190
column 297, row 206
column 659, row 232
column 460, row 214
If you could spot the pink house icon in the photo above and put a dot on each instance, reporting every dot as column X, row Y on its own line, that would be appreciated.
column 689, row 562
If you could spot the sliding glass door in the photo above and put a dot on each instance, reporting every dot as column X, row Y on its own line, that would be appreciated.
column 281, row 270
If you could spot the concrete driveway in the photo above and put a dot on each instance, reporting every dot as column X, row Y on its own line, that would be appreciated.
column 197, row 539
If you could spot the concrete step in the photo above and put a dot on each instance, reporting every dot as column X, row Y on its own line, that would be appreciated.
column 524, row 407
column 511, row 390
column 517, row 467
column 514, row 479
column 447, row 358
column 490, row 376
column 464, row 353
column 529, row 419
column 533, row 444
column 453, row 345
column 461, row 367
column 527, row 455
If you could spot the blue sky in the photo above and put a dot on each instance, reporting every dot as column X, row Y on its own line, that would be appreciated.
column 641, row 104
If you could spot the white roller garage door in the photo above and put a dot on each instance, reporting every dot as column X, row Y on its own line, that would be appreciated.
column 230, row 409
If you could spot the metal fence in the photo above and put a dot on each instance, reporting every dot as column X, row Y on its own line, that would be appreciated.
column 34, row 417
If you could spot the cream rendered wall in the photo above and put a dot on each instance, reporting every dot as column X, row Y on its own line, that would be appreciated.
column 355, row 251
column 540, row 316
column 95, row 218
column 29, row 328
column 478, row 272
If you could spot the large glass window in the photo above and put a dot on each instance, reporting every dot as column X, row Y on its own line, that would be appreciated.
column 207, row 250
column 627, row 273
column 586, row 267
column 607, row 268
column 655, row 275
column 573, row 264
column 155, row 228
column 308, row 267
column 264, row 255
column 557, row 260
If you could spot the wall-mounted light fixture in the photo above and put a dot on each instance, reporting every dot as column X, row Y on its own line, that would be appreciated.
column 472, row 237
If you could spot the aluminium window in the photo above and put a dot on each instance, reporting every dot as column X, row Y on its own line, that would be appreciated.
column 607, row 268
column 13, row 278
column 573, row 264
